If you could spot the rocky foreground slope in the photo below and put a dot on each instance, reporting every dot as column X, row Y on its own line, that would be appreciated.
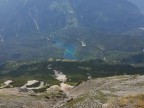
column 111, row 92
column 99, row 93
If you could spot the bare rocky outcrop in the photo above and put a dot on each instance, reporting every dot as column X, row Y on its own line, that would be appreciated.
column 97, row 93
column 109, row 92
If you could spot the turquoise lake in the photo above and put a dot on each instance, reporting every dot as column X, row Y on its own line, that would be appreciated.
column 69, row 49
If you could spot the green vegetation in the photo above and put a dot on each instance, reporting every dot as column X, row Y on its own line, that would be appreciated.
column 34, row 85
column 120, row 48
column 40, row 90
column 76, row 71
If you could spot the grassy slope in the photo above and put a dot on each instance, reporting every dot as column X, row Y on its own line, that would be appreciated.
column 76, row 71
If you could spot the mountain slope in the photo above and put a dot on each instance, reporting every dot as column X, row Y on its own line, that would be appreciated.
column 76, row 44
column 24, row 17
column 111, row 92
column 139, row 4
column 35, row 29
column 69, row 84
